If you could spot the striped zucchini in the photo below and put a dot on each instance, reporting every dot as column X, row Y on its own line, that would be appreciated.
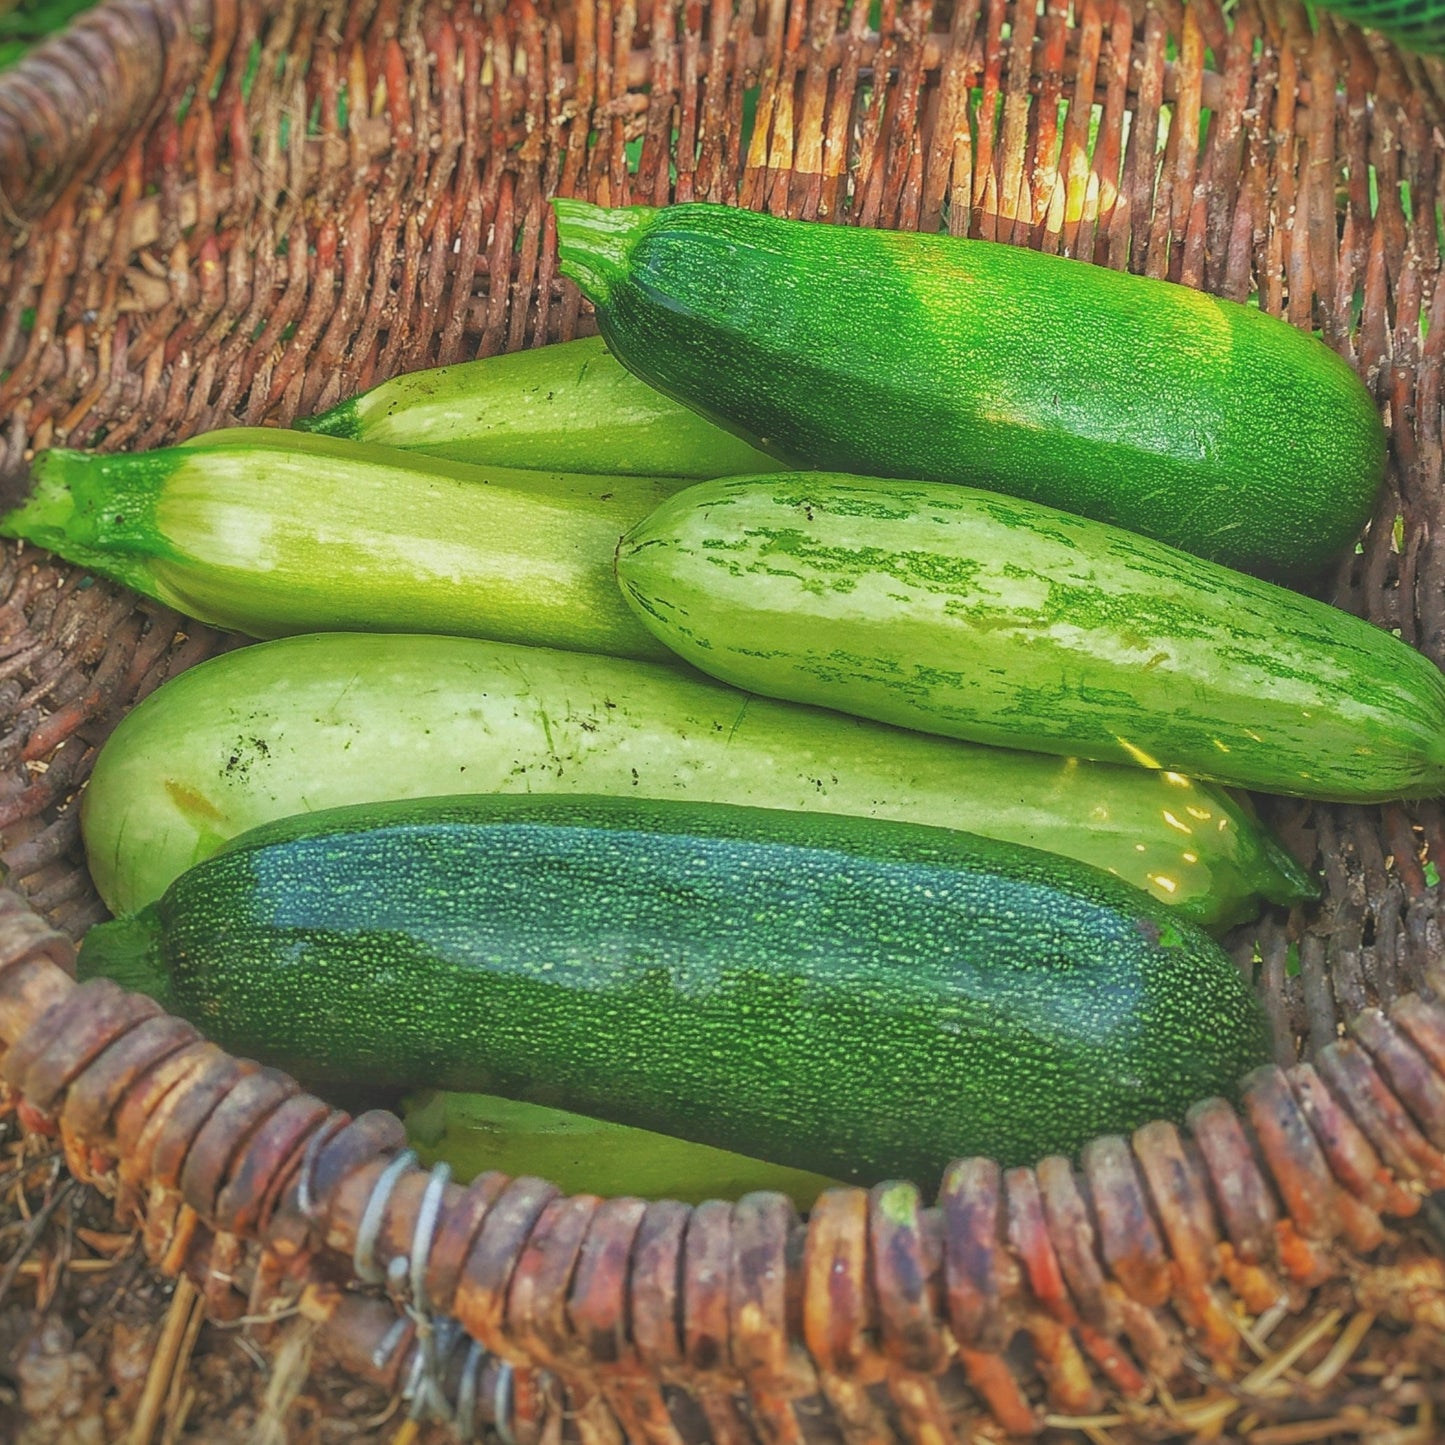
column 1001, row 621
column 567, row 408
column 270, row 532
column 861, row 998
column 1209, row 425
column 318, row 721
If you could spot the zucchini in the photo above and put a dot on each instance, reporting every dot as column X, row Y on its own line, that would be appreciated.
column 318, row 721
column 571, row 407
column 269, row 532
column 866, row 999
column 1209, row 425
column 477, row 1132
column 991, row 618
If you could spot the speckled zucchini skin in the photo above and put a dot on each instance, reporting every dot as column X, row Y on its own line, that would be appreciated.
column 861, row 998
column 990, row 618
column 1210, row 425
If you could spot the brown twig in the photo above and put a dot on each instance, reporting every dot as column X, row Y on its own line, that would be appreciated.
column 1341, row 1352
column 1207, row 1415
column 181, row 1392
column 33, row 1230
column 291, row 1363
column 170, row 1359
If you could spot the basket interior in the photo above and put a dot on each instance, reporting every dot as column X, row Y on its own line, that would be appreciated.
column 236, row 214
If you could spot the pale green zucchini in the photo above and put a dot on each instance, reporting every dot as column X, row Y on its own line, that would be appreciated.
column 269, row 532
column 571, row 407
column 580, row 1155
column 998, row 620
column 319, row 721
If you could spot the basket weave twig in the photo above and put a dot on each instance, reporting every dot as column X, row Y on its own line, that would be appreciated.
column 231, row 212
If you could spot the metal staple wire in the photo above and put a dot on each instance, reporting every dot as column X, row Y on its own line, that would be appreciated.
column 436, row 1336
column 425, row 1231
column 363, row 1257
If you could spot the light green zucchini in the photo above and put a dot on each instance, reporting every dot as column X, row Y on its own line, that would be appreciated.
column 269, row 532
column 319, row 721
column 998, row 620
column 571, row 407
column 580, row 1155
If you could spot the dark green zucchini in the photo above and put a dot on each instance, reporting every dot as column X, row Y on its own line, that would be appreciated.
column 1206, row 424
column 861, row 998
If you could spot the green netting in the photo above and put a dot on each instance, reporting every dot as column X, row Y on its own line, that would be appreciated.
column 1414, row 24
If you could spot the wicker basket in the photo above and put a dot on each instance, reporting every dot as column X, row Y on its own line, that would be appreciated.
column 234, row 212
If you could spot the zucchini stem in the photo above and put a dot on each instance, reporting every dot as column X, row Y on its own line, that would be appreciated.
column 594, row 244
column 41, row 508
column 128, row 952
column 94, row 509
column 340, row 421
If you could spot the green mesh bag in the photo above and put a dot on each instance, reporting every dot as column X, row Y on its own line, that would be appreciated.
column 1414, row 24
